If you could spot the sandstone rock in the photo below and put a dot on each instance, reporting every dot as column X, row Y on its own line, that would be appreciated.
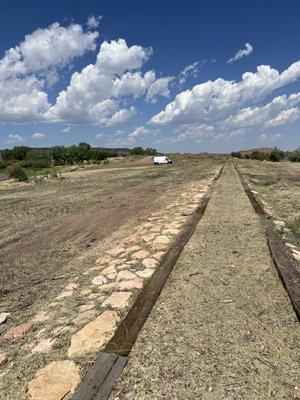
column 103, row 260
column 148, row 238
column 3, row 317
column 109, row 271
column 139, row 255
column 115, row 251
column 118, row 300
column 86, row 292
column 117, row 261
column 18, row 332
column 125, row 275
column 65, row 294
column 44, row 346
column 150, row 263
column 54, row 381
column 171, row 231
column 159, row 246
column 136, row 283
column 86, row 307
column 159, row 256
column 71, row 286
column 147, row 225
column 121, row 267
column 131, row 239
column 145, row 273
column 3, row 358
column 40, row 316
column 99, row 280
column 161, row 240
column 108, row 287
column 156, row 228
column 133, row 248
column 83, row 317
column 93, row 335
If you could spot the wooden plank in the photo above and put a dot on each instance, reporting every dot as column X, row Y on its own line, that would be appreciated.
column 286, row 266
column 95, row 376
column 106, row 387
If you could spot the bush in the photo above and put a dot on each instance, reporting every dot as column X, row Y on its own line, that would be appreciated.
column 15, row 171
column 294, row 156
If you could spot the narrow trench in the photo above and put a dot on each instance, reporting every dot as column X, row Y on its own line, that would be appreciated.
column 101, row 377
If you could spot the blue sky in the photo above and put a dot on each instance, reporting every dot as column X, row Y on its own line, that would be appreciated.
column 207, row 76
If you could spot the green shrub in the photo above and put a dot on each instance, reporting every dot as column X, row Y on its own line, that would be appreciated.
column 16, row 171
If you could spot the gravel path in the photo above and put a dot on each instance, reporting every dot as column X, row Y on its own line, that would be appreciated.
column 223, row 327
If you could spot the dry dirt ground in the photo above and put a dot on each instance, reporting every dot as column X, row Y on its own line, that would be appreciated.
column 45, row 226
column 223, row 327
column 277, row 186
column 52, row 233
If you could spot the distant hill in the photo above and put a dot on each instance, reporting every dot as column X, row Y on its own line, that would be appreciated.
column 259, row 149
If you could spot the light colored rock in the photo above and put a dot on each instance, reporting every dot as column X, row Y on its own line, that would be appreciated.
column 296, row 254
column 116, row 262
column 86, row 307
column 159, row 256
column 94, row 335
column 145, row 273
column 3, row 358
column 99, row 280
column 4, row 316
column 156, row 228
column 18, row 332
column 84, row 317
column 44, row 346
column 115, row 251
column 63, row 295
column 147, row 225
column 139, row 255
column 71, row 286
column 86, row 292
column 118, row 300
column 121, row 267
column 131, row 239
column 162, row 239
column 132, row 249
column 148, row 238
column 125, row 275
column 40, row 316
column 103, row 259
column 54, row 381
column 108, row 287
column 136, row 283
column 170, row 231
column 159, row 246
column 109, row 271
column 150, row 263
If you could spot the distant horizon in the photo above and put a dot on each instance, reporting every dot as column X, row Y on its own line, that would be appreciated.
column 127, row 75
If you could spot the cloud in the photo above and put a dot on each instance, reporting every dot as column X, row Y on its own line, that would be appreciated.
column 26, row 69
column 93, row 22
column 214, row 102
column 95, row 95
column 15, row 139
column 67, row 129
column 241, row 53
column 190, row 70
column 38, row 136
column 138, row 133
column 99, row 136
column 269, row 138
column 193, row 132
column 160, row 86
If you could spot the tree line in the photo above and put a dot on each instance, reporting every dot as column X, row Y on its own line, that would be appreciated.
column 272, row 155
column 60, row 155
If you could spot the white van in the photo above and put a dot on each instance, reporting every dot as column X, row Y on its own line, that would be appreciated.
column 161, row 160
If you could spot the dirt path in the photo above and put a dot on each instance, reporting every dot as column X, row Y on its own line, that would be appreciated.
column 223, row 327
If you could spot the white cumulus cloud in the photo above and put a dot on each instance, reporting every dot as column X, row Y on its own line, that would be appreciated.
column 269, row 138
column 241, row 53
column 38, row 136
column 93, row 21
